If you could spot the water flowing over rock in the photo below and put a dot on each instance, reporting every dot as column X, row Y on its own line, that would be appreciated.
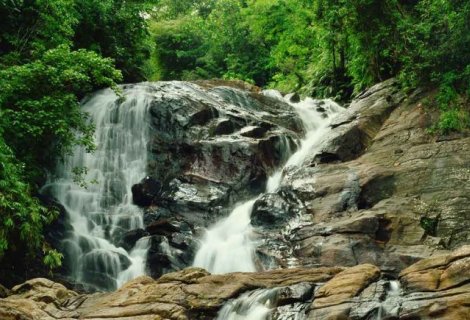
column 228, row 246
column 166, row 162
column 103, row 211
column 360, row 216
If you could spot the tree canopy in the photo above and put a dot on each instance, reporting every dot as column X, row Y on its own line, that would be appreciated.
column 323, row 48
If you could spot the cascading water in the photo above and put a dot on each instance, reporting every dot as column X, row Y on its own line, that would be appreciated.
column 390, row 307
column 102, row 212
column 262, row 304
column 254, row 305
column 228, row 245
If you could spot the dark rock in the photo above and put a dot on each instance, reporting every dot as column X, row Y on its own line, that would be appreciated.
column 375, row 190
column 254, row 132
column 158, row 258
column 4, row 292
column 271, row 211
column 301, row 292
column 154, row 213
column 325, row 157
column 146, row 192
column 130, row 238
column 203, row 116
column 162, row 227
column 295, row 98
column 201, row 154
column 170, row 253
column 225, row 126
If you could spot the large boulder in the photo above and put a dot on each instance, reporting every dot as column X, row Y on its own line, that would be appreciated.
column 146, row 192
column 212, row 144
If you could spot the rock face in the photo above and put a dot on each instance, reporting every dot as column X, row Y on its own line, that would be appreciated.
column 382, row 190
column 213, row 144
column 434, row 288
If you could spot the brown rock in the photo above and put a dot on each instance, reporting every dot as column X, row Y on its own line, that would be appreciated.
column 345, row 285
column 176, row 296
column 438, row 273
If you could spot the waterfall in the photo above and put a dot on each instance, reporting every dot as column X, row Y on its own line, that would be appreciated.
column 390, row 307
column 228, row 245
column 103, row 211
column 254, row 305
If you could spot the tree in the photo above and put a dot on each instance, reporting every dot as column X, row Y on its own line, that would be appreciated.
column 115, row 29
column 39, row 102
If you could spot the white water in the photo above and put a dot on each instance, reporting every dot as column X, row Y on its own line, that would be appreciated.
column 390, row 307
column 228, row 245
column 137, row 256
column 254, row 305
column 102, row 212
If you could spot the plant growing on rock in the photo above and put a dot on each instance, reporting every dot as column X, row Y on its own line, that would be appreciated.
column 430, row 213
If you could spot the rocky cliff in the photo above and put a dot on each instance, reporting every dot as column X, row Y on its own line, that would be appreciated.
column 374, row 226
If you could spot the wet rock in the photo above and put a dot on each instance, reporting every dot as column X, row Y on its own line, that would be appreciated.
column 203, row 116
column 162, row 227
column 271, row 211
column 225, row 126
column 4, row 292
column 154, row 213
column 254, row 132
column 301, row 292
column 130, row 238
column 146, row 192
column 294, row 98
column 354, row 130
column 196, row 138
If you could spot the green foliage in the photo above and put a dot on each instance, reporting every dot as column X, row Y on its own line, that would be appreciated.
column 326, row 47
column 179, row 47
column 23, row 218
column 52, row 54
column 52, row 258
column 29, row 28
column 429, row 225
column 333, row 48
column 39, row 101
column 114, row 29
column 437, row 54
column 429, row 213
